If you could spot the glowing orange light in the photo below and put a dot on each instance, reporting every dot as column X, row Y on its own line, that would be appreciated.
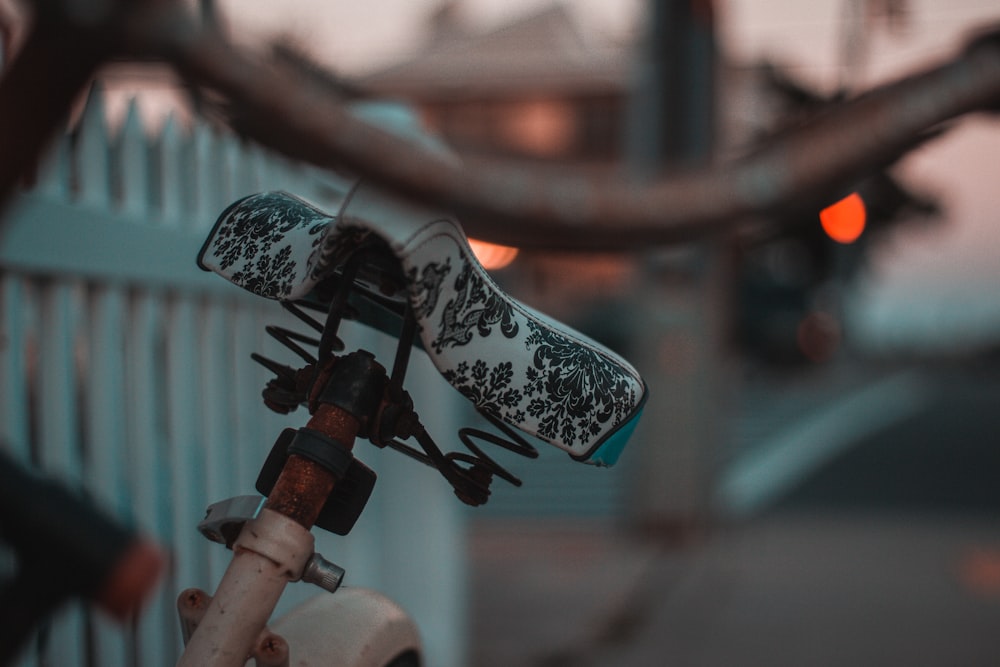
column 845, row 220
column 491, row 255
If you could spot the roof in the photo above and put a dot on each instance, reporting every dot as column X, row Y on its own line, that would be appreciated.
column 543, row 51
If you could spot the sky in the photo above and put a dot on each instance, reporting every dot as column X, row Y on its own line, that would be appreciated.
column 936, row 284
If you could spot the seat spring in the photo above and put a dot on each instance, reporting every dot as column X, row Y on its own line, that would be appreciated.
column 296, row 309
column 471, row 483
column 288, row 338
column 512, row 443
column 469, row 472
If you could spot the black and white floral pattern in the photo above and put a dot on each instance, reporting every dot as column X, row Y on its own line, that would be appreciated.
column 544, row 379
column 276, row 245
column 474, row 307
column 265, row 245
column 575, row 391
column 490, row 388
column 511, row 362
column 426, row 287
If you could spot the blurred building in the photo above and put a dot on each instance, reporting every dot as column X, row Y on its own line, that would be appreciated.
column 534, row 89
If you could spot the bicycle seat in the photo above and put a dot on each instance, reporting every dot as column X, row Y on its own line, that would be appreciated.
column 512, row 362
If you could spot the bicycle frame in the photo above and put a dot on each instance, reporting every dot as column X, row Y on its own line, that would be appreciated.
column 354, row 628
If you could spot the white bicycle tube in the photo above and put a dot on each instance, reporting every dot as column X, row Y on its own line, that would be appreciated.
column 270, row 552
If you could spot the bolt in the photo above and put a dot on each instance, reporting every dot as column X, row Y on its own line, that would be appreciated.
column 323, row 573
column 271, row 651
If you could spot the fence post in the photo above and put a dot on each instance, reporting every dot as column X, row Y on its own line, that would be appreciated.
column 92, row 163
column 59, row 451
column 174, row 196
column 53, row 177
column 104, row 437
column 134, row 172
column 210, row 174
column 148, row 469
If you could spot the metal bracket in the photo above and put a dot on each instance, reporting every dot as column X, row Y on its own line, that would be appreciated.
column 224, row 520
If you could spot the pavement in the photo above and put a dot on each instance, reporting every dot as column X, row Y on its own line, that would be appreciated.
column 772, row 583
column 786, row 589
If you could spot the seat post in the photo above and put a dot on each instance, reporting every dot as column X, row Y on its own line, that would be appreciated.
column 304, row 485
column 274, row 547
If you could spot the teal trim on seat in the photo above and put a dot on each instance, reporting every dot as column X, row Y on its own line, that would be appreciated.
column 607, row 454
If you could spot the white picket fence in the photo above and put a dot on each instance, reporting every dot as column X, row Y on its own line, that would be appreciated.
column 125, row 370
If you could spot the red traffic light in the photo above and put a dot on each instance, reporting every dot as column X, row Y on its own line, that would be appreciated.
column 844, row 221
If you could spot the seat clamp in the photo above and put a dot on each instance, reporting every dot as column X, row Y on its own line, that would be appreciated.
column 328, row 452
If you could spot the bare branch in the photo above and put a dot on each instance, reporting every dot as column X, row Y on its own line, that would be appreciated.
column 569, row 208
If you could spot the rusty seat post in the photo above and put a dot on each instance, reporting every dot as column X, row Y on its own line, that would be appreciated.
column 320, row 453
column 305, row 484
column 275, row 547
